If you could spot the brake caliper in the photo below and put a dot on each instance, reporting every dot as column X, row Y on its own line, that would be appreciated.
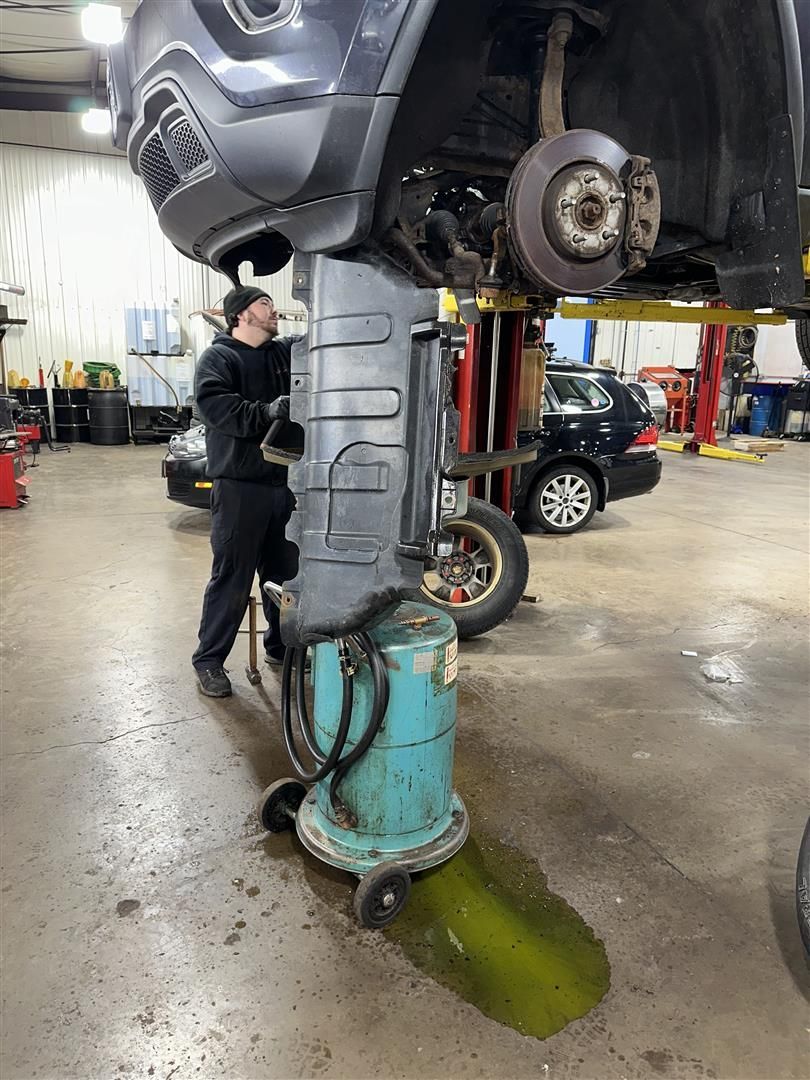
column 643, row 213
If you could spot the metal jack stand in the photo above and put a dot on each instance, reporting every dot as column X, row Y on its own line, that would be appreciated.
column 254, row 676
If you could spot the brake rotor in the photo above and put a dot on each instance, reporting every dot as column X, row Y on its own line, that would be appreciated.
column 566, row 212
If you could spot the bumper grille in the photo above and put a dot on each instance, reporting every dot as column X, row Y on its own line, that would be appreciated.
column 157, row 171
column 179, row 486
column 189, row 148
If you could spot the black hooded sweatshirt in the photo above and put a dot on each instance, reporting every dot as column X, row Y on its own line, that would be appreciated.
column 234, row 386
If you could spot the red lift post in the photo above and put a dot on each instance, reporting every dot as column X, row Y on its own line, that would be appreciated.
column 466, row 389
column 510, row 415
column 712, row 351
column 487, row 393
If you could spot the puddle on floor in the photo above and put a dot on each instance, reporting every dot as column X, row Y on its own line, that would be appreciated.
column 486, row 926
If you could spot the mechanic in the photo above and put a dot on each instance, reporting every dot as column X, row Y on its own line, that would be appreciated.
column 242, row 385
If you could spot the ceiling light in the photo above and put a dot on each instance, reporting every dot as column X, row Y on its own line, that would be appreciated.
column 97, row 122
column 102, row 23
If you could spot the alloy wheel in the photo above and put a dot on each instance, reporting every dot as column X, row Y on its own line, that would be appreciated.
column 565, row 501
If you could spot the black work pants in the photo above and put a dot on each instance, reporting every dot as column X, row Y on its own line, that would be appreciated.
column 247, row 535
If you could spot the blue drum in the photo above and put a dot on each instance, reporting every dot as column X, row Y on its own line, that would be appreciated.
column 401, row 790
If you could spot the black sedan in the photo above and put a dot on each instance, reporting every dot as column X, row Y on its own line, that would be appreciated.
column 598, row 443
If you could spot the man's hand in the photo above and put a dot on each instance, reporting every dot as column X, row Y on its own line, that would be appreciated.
column 278, row 409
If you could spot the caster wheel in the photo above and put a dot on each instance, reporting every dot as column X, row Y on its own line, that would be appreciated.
column 276, row 803
column 381, row 895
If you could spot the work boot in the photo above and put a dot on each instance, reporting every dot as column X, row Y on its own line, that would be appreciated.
column 213, row 681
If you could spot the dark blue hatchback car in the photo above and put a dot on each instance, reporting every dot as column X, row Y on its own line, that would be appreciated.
column 598, row 443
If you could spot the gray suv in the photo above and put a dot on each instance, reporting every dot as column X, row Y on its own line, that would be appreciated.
column 643, row 148
column 650, row 148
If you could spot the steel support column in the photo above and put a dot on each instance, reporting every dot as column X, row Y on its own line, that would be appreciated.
column 466, row 395
column 487, row 396
column 510, row 419
column 712, row 351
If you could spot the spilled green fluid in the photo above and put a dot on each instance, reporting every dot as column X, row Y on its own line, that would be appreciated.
column 485, row 925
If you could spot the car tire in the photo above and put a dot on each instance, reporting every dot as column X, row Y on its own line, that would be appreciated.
column 547, row 500
column 493, row 575
column 803, row 888
column 803, row 340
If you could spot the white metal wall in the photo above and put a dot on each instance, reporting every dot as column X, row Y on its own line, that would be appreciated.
column 55, row 130
column 777, row 354
column 628, row 346
column 78, row 231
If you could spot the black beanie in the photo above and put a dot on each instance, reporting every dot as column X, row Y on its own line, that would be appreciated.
column 238, row 299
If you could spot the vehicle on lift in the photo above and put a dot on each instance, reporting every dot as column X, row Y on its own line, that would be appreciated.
column 528, row 134
column 516, row 146
column 440, row 138
column 598, row 444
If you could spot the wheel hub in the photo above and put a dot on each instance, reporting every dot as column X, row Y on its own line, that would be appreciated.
column 457, row 569
column 586, row 208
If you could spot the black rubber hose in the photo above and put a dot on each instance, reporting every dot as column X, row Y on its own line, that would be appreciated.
column 46, row 427
column 332, row 762
column 307, row 733
column 325, row 767
column 379, row 674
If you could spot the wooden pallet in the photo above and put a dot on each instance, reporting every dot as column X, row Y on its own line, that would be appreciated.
column 758, row 446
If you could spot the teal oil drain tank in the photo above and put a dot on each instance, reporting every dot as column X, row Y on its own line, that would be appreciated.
column 386, row 806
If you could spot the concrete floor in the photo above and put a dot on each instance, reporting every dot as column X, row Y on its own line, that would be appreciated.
column 666, row 809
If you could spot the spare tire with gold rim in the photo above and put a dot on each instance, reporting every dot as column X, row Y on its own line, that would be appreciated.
column 481, row 581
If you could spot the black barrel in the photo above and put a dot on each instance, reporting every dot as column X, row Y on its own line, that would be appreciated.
column 35, row 397
column 109, row 417
column 32, row 397
column 70, row 416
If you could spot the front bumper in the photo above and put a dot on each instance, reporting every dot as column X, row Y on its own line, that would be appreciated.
column 182, row 476
column 267, row 137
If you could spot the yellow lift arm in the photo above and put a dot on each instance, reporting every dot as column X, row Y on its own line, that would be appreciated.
column 627, row 310
column 662, row 311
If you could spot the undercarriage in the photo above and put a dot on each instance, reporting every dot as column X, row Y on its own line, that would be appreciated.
column 523, row 146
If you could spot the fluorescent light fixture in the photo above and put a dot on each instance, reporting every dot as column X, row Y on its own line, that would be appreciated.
column 97, row 122
column 101, row 23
